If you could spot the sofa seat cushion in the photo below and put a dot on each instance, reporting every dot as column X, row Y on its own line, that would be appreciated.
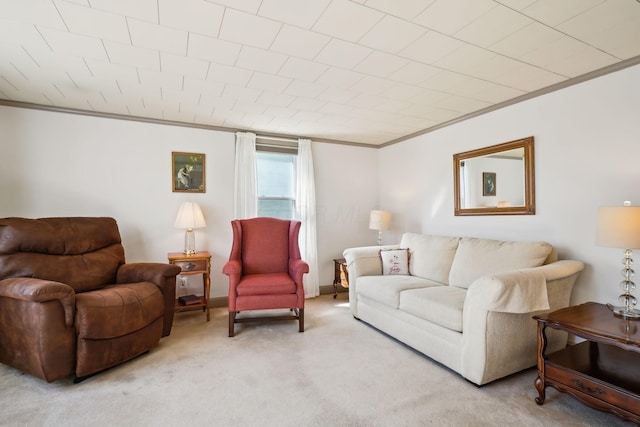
column 478, row 257
column 386, row 289
column 441, row 305
column 117, row 310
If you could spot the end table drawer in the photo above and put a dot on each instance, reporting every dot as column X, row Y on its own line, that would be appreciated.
column 192, row 265
column 594, row 389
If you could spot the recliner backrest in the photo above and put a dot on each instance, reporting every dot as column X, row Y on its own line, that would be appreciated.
column 84, row 253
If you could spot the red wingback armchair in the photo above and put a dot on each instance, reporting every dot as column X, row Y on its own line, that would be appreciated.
column 265, row 270
column 69, row 305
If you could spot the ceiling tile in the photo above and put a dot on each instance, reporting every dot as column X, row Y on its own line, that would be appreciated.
column 125, row 54
column 443, row 80
column 380, row 64
column 241, row 93
column 260, row 60
column 304, row 89
column 392, row 34
column 449, row 16
column 276, row 99
column 270, row 82
column 482, row 90
column 207, row 87
column 582, row 62
column 461, row 104
column 517, row 4
column 110, row 71
column 146, row 10
column 157, row 79
column 414, row 73
column 195, row 16
column 34, row 13
column 250, row 6
column 431, row 47
column 213, row 49
column 178, row 64
column 372, row 85
column 338, row 96
column 493, row 26
column 525, row 40
column 464, row 59
column 306, row 105
column 301, row 69
column 295, row 12
column 226, row 74
column 94, row 22
column 342, row 54
column 405, row 9
column 530, row 78
column 153, row 36
column 346, row 20
column 555, row 52
column 73, row 44
column 248, row 29
column 298, row 42
column 339, row 78
column 553, row 12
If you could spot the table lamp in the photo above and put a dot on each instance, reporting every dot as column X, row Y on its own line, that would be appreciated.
column 619, row 227
column 379, row 220
column 190, row 217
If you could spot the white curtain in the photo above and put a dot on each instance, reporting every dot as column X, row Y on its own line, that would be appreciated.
column 306, row 213
column 245, row 197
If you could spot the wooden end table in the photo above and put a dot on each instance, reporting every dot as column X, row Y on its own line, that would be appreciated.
column 603, row 371
column 198, row 263
column 340, row 275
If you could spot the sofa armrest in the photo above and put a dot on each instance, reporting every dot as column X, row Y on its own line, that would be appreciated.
column 499, row 334
column 39, row 290
column 362, row 261
column 162, row 275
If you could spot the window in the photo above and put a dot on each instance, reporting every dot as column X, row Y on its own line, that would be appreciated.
column 276, row 176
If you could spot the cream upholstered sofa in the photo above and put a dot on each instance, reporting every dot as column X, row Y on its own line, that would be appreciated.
column 465, row 302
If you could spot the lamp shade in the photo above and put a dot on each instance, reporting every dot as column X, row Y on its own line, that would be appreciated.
column 379, row 220
column 619, row 227
column 190, row 216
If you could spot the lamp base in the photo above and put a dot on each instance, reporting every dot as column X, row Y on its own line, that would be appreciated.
column 621, row 311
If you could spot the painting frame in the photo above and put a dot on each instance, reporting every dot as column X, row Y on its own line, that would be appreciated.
column 489, row 184
column 188, row 172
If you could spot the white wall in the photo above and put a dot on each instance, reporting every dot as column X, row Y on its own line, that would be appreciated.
column 56, row 164
column 587, row 154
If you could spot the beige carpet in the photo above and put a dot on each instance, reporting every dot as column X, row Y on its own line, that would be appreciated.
column 339, row 372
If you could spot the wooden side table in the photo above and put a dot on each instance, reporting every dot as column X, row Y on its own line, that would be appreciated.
column 198, row 263
column 340, row 275
column 604, row 371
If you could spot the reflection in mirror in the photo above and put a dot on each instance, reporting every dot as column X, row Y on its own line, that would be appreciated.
column 496, row 180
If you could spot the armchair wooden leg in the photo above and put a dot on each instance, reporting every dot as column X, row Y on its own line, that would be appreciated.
column 301, row 320
column 232, row 322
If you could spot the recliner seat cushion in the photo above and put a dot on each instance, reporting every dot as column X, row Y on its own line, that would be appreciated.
column 119, row 310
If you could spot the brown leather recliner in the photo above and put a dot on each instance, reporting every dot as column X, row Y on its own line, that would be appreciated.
column 70, row 305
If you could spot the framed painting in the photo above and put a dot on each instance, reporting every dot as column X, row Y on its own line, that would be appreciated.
column 188, row 172
column 488, row 183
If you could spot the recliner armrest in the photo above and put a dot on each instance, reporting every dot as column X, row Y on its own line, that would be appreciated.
column 156, row 273
column 39, row 290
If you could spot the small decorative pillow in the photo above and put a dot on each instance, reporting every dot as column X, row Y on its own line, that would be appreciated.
column 394, row 261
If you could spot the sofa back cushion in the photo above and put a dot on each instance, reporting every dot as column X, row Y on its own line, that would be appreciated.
column 84, row 253
column 478, row 257
column 430, row 257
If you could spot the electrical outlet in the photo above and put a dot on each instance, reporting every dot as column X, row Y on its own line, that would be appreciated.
column 183, row 282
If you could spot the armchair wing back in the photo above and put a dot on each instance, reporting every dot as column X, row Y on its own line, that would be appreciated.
column 70, row 304
column 265, row 269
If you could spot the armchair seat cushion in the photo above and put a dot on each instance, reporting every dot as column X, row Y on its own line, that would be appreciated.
column 135, row 305
column 266, row 284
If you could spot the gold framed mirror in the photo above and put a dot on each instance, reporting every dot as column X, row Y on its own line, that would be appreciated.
column 495, row 180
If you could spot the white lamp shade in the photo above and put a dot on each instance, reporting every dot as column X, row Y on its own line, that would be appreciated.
column 190, row 216
column 619, row 227
column 379, row 220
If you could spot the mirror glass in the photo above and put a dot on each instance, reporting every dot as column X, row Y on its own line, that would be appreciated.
column 496, row 180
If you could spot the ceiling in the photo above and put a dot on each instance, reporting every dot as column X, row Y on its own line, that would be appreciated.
column 361, row 71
